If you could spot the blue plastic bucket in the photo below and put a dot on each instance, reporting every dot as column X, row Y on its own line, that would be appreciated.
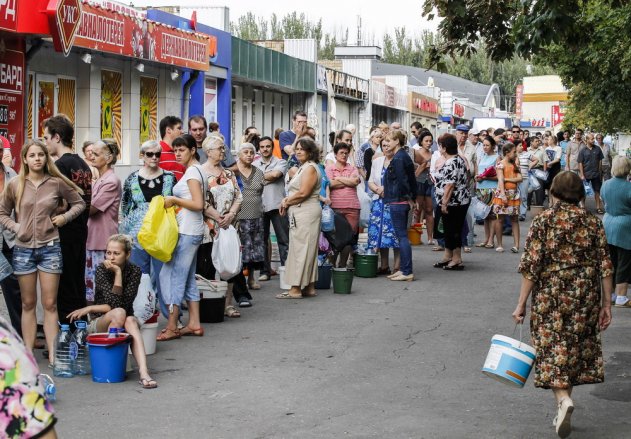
column 108, row 357
column 509, row 361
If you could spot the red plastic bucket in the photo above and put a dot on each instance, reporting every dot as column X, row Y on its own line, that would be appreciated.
column 108, row 357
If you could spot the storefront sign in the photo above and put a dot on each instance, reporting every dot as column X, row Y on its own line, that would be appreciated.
column 558, row 115
column 458, row 110
column 64, row 17
column 519, row 98
column 387, row 96
column 108, row 31
column 535, row 123
column 423, row 105
column 9, row 14
column 12, row 99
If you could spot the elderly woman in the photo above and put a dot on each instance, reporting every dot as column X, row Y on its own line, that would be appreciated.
column 302, row 206
column 138, row 190
column 381, row 234
column 616, row 194
column 507, row 199
column 103, row 220
column 565, row 266
column 88, row 157
column 250, row 216
column 453, row 197
column 486, row 184
column 344, row 179
column 223, row 203
column 400, row 195
column 116, row 287
column 177, row 277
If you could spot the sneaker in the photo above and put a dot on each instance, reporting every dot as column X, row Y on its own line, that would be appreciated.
column 522, row 218
column 623, row 302
column 244, row 302
column 263, row 278
column 564, row 415
column 403, row 278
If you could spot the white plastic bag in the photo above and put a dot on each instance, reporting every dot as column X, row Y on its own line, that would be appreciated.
column 145, row 301
column 366, row 203
column 480, row 210
column 227, row 253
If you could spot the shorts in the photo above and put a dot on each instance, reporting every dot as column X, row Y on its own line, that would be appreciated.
column 621, row 258
column 29, row 260
column 424, row 189
column 596, row 183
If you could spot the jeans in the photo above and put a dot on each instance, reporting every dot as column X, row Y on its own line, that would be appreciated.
column 281, row 229
column 523, row 190
column 12, row 296
column 177, row 277
column 148, row 265
column 399, row 215
column 29, row 260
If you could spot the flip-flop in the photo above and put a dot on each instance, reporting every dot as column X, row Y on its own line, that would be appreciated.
column 455, row 267
column 467, row 249
column 500, row 249
column 482, row 244
column 441, row 264
column 514, row 249
column 148, row 383
column 286, row 295
column 488, row 246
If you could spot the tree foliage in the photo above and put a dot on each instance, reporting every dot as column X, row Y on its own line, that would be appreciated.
column 587, row 42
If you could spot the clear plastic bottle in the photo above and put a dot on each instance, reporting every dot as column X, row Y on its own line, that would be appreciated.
column 65, row 353
column 82, row 362
column 50, row 391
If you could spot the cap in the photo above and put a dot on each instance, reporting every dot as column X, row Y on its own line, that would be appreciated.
column 462, row 127
column 474, row 131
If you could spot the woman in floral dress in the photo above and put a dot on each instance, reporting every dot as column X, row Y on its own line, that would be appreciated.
column 381, row 234
column 567, row 268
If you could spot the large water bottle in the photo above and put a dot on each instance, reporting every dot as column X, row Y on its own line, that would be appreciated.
column 82, row 362
column 65, row 353
column 50, row 391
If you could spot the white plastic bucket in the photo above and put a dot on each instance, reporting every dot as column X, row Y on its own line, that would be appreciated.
column 149, row 332
column 509, row 361
column 281, row 276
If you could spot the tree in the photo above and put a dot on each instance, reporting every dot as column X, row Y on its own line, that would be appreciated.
column 588, row 42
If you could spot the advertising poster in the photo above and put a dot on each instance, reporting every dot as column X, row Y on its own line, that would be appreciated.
column 148, row 108
column 45, row 104
column 12, row 100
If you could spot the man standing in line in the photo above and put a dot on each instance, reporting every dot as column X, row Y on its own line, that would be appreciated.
column 170, row 129
column 198, row 127
column 607, row 157
column 273, row 193
column 415, row 130
column 518, row 140
column 288, row 138
column 590, row 168
column 573, row 148
column 58, row 135
column 467, row 150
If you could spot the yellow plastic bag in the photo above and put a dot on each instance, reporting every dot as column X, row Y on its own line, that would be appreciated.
column 158, row 233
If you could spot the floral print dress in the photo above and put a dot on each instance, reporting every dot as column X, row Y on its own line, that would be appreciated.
column 566, row 256
column 24, row 411
column 380, row 230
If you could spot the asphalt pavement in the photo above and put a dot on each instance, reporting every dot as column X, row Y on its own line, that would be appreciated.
column 390, row 360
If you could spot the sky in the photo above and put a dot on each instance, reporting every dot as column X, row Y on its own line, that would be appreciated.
column 337, row 15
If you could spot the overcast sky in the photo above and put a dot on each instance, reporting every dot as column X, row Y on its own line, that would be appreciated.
column 377, row 18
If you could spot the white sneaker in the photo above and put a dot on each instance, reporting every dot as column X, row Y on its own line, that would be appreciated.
column 623, row 301
column 564, row 415
column 263, row 278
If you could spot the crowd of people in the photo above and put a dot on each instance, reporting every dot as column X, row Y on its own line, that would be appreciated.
column 71, row 226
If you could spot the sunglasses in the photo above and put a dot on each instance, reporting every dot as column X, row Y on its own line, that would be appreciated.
column 151, row 155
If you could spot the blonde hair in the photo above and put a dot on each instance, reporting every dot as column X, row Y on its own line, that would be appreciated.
column 124, row 240
column 49, row 168
column 212, row 140
column 621, row 166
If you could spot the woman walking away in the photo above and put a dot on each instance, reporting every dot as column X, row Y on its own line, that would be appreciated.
column 35, row 196
column 381, row 234
column 565, row 266
column 616, row 194
column 453, row 197
column 507, row 198
column 250, row 216
column 400, row 196
column 103, row 221
column 302, row 206
column 177, row 277
column 116, row 287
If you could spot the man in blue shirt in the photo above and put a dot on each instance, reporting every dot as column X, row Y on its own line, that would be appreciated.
column 288, row 138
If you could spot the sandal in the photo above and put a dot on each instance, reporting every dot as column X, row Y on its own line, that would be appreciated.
column 148, row 383
column 286, row 295
column 231, row 312
column 455, row 267
column 467, row 249
column 199, row 332
column 441, row 264
column 500, row 249
column 482, row 244
column 514, row 249
column 168, row 334
column 488, row 245
column 438, row 248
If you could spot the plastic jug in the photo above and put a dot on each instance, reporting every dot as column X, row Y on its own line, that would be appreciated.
column 82, row 362
column 65, row 353
column 50, row 391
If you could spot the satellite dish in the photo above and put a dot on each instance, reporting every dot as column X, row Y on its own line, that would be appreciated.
column 430, row 82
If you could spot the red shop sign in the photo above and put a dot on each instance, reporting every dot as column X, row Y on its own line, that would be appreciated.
column 458, row 110
column 64, row 17
column 12, row 100
column 9, row 14
column 113, row 32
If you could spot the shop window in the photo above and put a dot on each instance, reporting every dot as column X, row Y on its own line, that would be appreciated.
column 45, row 103
column 148, row 108
column 66, row 102
column 111, row 106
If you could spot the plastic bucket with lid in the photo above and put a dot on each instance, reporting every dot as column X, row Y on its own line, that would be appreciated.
column 509, row 361
column 366, row 265
column 342, row 280
column 108, row 357
column 415, row 233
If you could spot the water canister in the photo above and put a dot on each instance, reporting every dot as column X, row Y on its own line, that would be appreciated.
column 65, row 353
column 82, row 362
column 50, row 391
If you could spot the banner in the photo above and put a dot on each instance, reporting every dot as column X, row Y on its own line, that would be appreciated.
column 148, row 108
column 519, row 98
column 12, row 100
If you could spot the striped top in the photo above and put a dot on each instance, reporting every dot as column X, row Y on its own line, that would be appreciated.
column 168, row 162
column 344, row 197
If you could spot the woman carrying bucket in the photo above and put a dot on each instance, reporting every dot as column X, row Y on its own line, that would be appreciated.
column 115, row 288
column 567, row 268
